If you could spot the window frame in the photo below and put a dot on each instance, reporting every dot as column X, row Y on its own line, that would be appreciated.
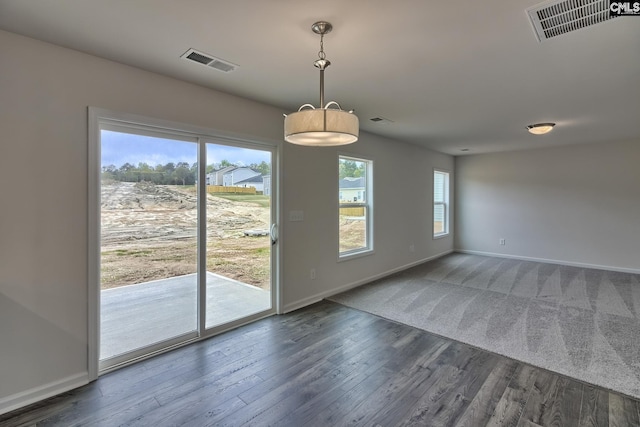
column 367, row 204
column 444, row 203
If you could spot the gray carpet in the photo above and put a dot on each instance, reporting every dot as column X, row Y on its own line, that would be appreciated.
column 579, row 322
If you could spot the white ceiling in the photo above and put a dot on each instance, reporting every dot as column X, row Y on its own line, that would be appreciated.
column 450, row 75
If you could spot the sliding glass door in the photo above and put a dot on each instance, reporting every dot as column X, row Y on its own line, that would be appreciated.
column 239, row 233
column 186, row 235
column 148, row 235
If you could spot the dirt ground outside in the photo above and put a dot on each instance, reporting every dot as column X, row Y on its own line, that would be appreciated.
column 148, row 232
column 352, row 233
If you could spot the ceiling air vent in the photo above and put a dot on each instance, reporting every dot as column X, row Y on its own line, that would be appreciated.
column 380, row 120
column 209, row 60
column 555, row 18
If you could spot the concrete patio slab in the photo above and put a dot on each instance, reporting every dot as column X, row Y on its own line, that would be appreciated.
column 135, row 316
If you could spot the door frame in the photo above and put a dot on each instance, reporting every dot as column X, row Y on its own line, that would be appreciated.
column 99, row 117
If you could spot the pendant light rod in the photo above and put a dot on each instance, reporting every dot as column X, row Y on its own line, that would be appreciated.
column 321, row 88
column 322, row 28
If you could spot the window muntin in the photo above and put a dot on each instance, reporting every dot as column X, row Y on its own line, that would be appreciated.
column 440, row 203
column 355, row 206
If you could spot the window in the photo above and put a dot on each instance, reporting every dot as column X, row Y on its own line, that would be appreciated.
column 355, row 206
column 440, row 203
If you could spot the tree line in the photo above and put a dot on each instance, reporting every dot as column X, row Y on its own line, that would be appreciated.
column 351, row 169
column 181, row 173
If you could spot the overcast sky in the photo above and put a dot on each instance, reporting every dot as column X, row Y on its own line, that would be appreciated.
column 120, row 148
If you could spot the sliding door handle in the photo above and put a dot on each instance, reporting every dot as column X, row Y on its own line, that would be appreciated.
column 274, row 234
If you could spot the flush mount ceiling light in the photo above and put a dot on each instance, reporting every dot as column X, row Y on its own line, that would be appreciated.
column 322, row 126
column 540, row 128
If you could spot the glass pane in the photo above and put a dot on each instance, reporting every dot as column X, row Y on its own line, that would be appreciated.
column 438, row 218
column 148, row 241
column 353, row 228
column 238, row 248
column 438, row 186
column 353, row 181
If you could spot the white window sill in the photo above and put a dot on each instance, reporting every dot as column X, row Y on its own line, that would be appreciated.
column 356, row 254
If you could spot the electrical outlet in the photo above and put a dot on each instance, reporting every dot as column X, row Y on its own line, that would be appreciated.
column 312, row 274
column 502, row 242
column 412, row 248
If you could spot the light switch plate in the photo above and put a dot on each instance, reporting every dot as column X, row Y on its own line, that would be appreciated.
column 296, row 215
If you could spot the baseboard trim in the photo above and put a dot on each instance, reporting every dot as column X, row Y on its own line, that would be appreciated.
column 36, row 394
column 296, row 305
column 551, row 261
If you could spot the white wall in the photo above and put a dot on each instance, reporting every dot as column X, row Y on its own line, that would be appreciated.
column 43, row 223
column 577, row 204
column 402, row 181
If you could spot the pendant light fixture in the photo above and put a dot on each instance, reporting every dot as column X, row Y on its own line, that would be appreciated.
column 327, row 125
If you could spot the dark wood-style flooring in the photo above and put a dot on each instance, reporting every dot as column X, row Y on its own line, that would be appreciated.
column 329, row 365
